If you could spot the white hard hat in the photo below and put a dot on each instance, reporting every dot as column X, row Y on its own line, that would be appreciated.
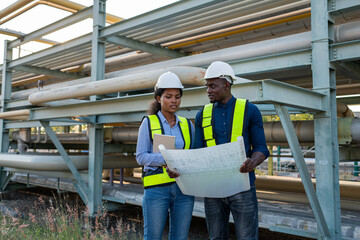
column 168, row 80
column 220, row 69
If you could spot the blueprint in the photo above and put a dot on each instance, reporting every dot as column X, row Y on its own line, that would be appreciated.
column 209, row 172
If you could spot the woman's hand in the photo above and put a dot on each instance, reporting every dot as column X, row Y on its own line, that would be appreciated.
column 172, row 174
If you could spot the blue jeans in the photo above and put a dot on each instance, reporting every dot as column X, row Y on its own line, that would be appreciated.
column 244, row 208
column 156, row 204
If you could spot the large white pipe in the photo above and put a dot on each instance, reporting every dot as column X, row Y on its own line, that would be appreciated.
column 140, row 80
column 46, row 162
column 16, row 114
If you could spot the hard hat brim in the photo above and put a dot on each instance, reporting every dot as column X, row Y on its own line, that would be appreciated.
column 227, row 78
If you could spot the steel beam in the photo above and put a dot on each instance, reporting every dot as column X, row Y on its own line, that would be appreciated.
column 341, row 6
column 76, row 43
column 303, row 170
column 31, row 124
column 349, row 69
column 79, row 183
column 352, row 99
column 18, row 34
column 5, row 181
column 48, row 72
column 272, row 63
column 257, row 92
column 293, row 231
column 345, row 51
column 325, row 124
column 271, row 91
column 164, row 12
column 74, row 18
column 143, row 46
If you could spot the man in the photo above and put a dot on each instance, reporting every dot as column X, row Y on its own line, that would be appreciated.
column 220, row 122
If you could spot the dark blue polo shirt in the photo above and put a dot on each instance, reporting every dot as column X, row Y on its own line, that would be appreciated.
column 253, row 133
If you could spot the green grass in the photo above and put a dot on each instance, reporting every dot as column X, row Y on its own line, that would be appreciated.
column 61, row 220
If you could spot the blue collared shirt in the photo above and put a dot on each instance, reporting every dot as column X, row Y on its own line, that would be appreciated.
column 144, row 148
column 253, row 133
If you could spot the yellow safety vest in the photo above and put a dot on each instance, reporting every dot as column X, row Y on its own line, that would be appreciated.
column 237, row 123
column 155, row 127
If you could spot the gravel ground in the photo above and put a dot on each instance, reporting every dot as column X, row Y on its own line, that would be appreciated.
column 23, row 201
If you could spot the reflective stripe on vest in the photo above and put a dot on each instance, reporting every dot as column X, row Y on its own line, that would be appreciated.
column 237, row 122
column 156, row 128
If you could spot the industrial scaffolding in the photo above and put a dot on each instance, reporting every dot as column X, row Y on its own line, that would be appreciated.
column 193, row 34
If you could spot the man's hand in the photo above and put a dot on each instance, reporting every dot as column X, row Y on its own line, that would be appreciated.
column 248, row 166
column 251, row 163
column 172, row 174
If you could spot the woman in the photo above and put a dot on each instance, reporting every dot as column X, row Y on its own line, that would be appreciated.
column 161, row 193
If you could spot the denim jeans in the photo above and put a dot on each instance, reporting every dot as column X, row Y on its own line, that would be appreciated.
column 157, row 202
column 244, row 208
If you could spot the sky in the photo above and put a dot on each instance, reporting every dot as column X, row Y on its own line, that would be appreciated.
column 42, row 15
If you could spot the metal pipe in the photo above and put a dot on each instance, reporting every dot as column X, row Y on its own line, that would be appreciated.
column 348, row 189
column 219, row 25
column 212, row 19
column 48, row 162
column 343, row 110
column 60, row 4
column 143, row 80
column 274, row 133
column 121, row 134
column 283, row 18
column 355, row 130
column 68, row 138
column 13, row 7
column 273, row 46
column 27, row 8
column 15, row 114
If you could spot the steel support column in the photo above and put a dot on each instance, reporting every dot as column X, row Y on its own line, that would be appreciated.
column 304, row 173
column 96, row 149
column 325, row 124
column 79, row 183
column 5, row 96
column 96, row 152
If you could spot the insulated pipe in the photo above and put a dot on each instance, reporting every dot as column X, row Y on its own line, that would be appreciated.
column 16, row 114
column 68, row 138
column 232, row 21
column 61, row 4
column 47, row 162
column 349, row 190
column 294, row 42
column 355, row 130
column 343, row 110
column 120, row 134
column 142, row 80
column 13, row 7
column 224, row 32
column 274, row 133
